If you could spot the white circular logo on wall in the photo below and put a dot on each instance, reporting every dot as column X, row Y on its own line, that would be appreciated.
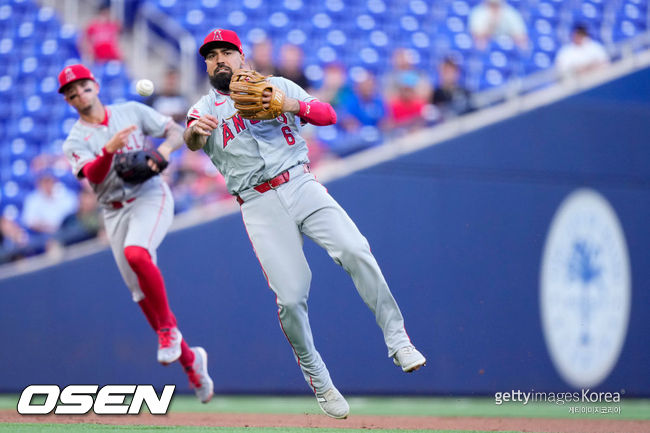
column 585, row 289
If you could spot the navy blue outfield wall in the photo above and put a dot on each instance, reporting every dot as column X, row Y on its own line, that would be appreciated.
column 458, row 229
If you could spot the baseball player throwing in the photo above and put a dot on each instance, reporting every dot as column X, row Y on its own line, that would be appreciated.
column 107, row 146
column 249, row 126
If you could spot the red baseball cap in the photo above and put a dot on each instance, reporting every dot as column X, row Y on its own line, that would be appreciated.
column 73, row 73
column 220, row 36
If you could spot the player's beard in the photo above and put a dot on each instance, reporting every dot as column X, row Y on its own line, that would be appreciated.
column 86, row 110
column 220, row 80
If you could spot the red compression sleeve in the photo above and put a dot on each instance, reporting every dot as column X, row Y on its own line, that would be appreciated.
column 96, row 170
column 317, row 113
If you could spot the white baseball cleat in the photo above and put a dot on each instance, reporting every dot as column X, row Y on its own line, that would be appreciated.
column 169, row 345
column 200, row 381
column 409, row 358
column 333, row 403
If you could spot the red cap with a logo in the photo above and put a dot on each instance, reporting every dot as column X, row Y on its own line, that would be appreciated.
column 219, row 36
column 73, row 73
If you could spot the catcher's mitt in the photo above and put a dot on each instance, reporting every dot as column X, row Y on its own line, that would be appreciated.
column 247, row 88
column 133, row 167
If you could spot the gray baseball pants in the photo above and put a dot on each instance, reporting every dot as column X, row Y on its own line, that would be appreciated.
column 275, row 222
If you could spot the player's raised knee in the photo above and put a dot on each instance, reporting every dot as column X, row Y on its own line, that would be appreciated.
column 352, row 249
column 293, row 298
column 136, row 256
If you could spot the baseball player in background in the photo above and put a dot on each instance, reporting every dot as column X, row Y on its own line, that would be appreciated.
column 137, row 211
column 249, row 126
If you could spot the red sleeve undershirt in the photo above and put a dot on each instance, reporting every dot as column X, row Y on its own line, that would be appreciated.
column 97, row 169
column 317, row 113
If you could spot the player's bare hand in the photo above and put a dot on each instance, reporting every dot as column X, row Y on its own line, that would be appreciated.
column 165, row 151
column 119, row 140
column 205, row 125
column 290, row 105
column 152, row 165
column 266, row 98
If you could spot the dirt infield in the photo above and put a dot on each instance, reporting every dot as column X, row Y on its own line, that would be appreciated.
column 541, row 425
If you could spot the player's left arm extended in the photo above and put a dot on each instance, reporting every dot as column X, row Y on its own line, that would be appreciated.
column 315, row 112
column 173, row 140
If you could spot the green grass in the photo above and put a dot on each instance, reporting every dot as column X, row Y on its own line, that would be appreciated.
column 82, row 428
column 409, row 406
column 631, row 409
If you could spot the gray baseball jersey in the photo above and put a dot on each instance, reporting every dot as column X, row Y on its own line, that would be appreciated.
column 86, row 140
column 145, row 210
column 248, row 152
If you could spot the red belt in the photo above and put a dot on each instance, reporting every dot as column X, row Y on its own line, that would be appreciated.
column 272, row 183
column 120, row 204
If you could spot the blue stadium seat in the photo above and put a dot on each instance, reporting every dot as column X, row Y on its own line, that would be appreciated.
column 547, row 11
column 546, row 43
column 21, row 175
column 539, row 60
column 492, row 77
column 6, row 87
column 455, row 24
column 194, row 19
column 23, row 6
column 46, row 19
column 542, row 26
column 625, row 29
column 67, row 37
column 174, row 8
column 12, row 199
column 6, row 15
column 462, row 42
column 589, row 12
column 636, row 13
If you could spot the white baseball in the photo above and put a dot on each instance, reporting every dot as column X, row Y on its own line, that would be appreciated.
column 144, row 87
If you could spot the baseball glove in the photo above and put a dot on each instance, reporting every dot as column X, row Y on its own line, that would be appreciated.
column 247, row 89
column 133, row 167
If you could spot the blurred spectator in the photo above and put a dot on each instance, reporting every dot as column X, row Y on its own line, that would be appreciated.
column 196, row 182
column 48, row 205
column 101, row 38
column 402, row 62
column 407, row 107
column 262, row 57
column 13, row 240
column 360, row 116
column 169, row 100
column 449, row 96
column 290, row 65
column 364, row 107
column 581, row 55
column 334, row 89
column 84, row 224
column 318, row 151
column 494, row 18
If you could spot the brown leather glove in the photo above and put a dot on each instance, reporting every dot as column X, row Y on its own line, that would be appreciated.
column 247, row 89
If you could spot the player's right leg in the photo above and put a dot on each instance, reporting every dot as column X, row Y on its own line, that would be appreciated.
column 330, row 226
column 151, row 215
column 278, row 246
column 118, row 226
column 149, row 218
